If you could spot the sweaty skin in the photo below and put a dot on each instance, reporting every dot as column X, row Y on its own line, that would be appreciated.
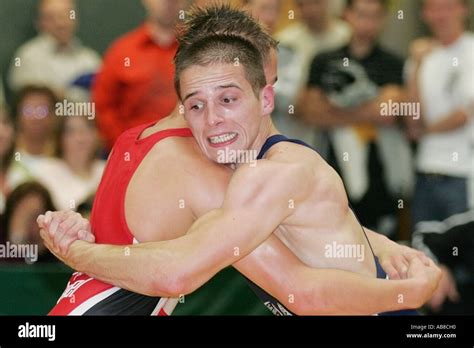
column 255, row 204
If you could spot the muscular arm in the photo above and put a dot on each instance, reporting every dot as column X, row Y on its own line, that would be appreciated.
column 311, row 291
column 272, row 266
column 216, row 240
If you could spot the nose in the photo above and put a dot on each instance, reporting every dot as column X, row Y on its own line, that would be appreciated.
column 213, row 117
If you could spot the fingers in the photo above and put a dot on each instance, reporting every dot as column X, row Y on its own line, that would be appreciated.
column 437, row 300
column 401, row 265
column 390, row 270
column 412, row 254
column 66, row 234
column 48, row 217
column 40, row 221
column 86, row 236
column 46, row 239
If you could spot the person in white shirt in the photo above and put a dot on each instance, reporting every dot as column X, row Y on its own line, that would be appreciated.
column 317, row 31
column 55, row 57
column 74, row 174
column 36, row 123
column 442, row 79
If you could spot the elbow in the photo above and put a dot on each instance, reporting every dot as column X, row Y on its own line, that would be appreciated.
column 171, row 284
column 309, row 302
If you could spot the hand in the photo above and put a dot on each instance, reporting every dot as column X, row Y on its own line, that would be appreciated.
column 62, row 228
column 392, row 92
column 425, row 280
column 420, row 48
column 395, row 259
column 446, row 290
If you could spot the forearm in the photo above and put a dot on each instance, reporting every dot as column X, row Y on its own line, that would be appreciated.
column 129, row 267
column 335, row 292
column 452, row 122
column 170, row 268
column 317, row 110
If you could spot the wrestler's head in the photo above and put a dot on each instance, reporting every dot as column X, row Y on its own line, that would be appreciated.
column 201, row 22
column 227, row 102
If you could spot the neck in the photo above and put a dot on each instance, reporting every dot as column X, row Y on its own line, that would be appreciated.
column 82, row 167
column 267, row 129
column 162, row 35
column 451, row 37
column 31, row 145
column 360, row 48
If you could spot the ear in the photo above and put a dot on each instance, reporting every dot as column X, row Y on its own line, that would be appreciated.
column 268, row 99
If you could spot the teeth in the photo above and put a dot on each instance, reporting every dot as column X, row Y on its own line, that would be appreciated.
column 222, row 138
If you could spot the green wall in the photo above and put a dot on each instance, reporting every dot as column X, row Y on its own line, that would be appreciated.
column 34, row 289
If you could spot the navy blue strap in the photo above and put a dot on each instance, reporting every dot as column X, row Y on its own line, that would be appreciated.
column 275, row 139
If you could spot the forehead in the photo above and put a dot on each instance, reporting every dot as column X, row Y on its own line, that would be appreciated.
column 197, row 78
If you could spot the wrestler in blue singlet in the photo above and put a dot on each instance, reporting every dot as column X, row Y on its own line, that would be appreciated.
column 272, row 303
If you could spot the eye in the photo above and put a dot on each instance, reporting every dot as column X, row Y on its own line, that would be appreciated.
column 228, row 100
column 197, row 106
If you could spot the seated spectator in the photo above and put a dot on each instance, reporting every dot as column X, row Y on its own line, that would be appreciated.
column 55, row 57
column 451, row 244
column 135, row 84
column 34, row 110
column 74, row 174
column 22, row 208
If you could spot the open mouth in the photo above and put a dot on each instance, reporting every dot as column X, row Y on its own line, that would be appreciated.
column 223, row 139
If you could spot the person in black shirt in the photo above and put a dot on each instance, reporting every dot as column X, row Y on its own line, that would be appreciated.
column 451, row 244
column 346, row 92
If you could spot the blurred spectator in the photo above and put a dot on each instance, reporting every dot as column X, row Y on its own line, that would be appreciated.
column 451, row 244
column 445, row 131
column 267, row 13
column 6, row 153
column 75, row 173
column 135, row 83
column 317, row 32
column 34, row 110
column 55, row 57
column 23, row 206
column 346, row 90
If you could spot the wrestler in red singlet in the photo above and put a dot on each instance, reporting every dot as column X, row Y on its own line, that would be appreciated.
column 85, row 295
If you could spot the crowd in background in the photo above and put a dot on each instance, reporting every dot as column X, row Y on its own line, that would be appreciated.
column 338, row 89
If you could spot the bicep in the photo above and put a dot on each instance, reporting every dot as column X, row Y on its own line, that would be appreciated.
column 274, row 268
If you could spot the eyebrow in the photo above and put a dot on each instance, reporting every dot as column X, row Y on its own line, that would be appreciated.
column 230, row 85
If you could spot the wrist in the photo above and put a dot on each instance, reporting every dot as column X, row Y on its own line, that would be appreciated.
column 74, row 258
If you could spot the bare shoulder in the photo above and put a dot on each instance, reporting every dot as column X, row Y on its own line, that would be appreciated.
column 202, row 181
column 270, row 181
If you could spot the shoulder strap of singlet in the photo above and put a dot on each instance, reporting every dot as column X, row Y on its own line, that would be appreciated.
column 275, row 139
